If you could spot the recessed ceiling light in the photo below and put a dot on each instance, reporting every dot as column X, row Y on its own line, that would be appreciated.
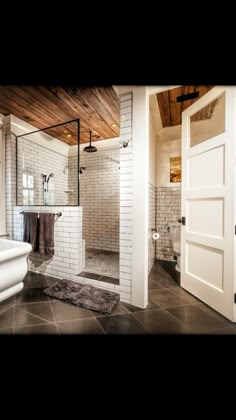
column 68, row 135
column 114, row 125
column 65, row 131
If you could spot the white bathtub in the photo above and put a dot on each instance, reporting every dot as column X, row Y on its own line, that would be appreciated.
column 13, row 267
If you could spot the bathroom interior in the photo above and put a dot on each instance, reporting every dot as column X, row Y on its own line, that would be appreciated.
column 70, row 171
column 57, row 171
column 165, row 167
column 82, row 182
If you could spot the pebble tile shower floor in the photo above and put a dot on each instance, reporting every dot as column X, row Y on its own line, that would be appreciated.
column 105, row 263
column 170, row 310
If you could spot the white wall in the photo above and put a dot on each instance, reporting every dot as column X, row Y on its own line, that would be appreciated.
column 166, row 149
column 152, row 151
column 152, row 184
column 2, row 179
column 140, row 196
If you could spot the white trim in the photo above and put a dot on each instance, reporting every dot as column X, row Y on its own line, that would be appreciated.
column 140, row 196
column 2, row 179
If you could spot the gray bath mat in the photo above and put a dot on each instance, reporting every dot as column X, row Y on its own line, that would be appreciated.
column 89, row 297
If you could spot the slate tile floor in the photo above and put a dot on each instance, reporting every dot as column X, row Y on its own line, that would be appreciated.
column 171, row 310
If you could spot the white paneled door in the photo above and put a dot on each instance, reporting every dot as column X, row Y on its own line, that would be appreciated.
column 208, row 194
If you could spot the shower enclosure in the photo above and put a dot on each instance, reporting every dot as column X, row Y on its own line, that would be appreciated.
column 100, row 199
column 47, row 166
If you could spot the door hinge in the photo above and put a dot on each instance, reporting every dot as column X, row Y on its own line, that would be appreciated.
column 182, row 220
column 234, row 297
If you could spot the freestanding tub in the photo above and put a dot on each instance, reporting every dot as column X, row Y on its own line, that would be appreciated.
column 13, row 266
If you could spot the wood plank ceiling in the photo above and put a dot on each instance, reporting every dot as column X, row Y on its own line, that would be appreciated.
column 42, row 106
column 171, row 110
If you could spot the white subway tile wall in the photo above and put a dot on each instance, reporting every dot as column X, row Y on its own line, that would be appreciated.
column 100, row 198
column 73, row 180
column 68, row 259
column 10, row 190
column 126, row 204
column 151, row 225
column 168, row 210
column 35, row 160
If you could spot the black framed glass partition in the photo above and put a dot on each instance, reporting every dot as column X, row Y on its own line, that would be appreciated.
column 47, row 166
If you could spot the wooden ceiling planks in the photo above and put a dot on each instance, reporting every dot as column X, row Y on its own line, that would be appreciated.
column 164, row 106
column 175, row 107
column 170, row 109
column 42, row 106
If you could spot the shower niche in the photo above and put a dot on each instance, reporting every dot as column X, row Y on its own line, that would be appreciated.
column 47, row 166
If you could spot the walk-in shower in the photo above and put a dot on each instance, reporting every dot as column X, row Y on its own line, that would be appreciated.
column 100, row 199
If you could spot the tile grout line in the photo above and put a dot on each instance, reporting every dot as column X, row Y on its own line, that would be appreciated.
column 54, row 316
column 101, row 327
column 37, row 316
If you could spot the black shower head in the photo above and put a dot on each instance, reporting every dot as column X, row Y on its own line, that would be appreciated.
column 90, row 148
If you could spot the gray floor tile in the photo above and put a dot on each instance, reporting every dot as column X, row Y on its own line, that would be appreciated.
column 132, row 308
column 118, row 309
column 187, row 296
column 196, row 320
column 23, row 318
column 64, row 311
column 213, row 313
column 224, row 331
column 34, row 280
column 82, row 326
column 6, row 317
column 8, row 331
column 167, row 299
column 31, row 295
column 153, row 286
column 37, row 329
column 8, row 302
column 159, row 321
column 49, row 281
column 42, row 310
column 121, row 324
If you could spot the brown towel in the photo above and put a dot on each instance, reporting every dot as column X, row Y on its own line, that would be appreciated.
column 30, row 229
column 46, row 233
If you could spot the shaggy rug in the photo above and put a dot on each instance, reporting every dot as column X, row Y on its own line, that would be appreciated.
column 89, row 297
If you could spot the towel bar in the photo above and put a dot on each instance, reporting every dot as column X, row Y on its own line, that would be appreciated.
column 56, row 214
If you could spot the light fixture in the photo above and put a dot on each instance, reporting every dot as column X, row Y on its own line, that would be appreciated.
column 68, row 135
column 65, row 131
column 90, row 148
column 114, row 125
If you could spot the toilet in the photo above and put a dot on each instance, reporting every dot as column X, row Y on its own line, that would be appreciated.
column 175, row 235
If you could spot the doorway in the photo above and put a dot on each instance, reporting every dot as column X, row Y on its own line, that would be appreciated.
column 200, row 133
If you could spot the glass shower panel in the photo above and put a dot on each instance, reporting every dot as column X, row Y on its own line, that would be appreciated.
column 48, row 166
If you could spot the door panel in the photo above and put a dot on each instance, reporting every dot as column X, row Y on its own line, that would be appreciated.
column 208, row 184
